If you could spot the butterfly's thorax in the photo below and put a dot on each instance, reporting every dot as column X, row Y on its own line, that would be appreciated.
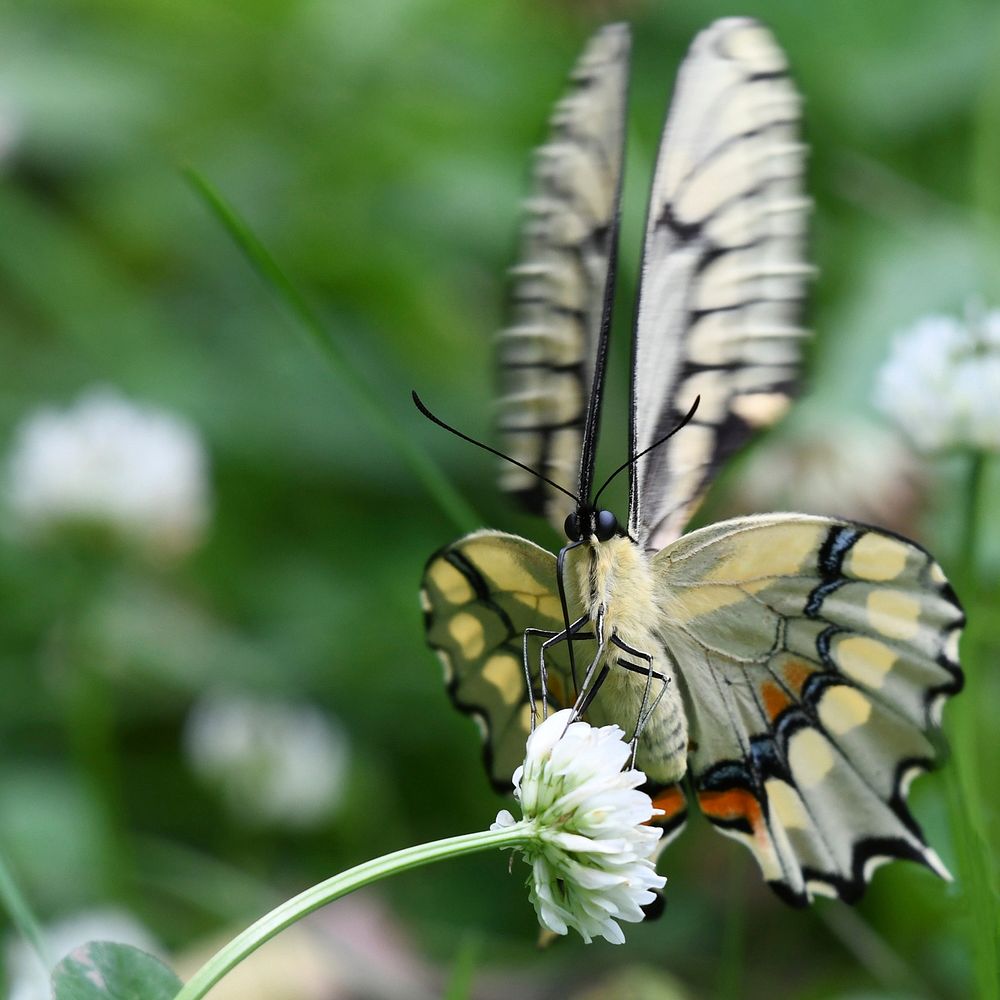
column 613, row 581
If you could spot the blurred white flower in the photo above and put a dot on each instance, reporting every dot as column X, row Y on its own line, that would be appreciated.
column 823, row 463
column 941, row 383
column 27, row 980
column 275, row 763
column 591, row 856
column 106, row 463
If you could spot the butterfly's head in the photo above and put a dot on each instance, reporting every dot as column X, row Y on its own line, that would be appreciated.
column 586, row 522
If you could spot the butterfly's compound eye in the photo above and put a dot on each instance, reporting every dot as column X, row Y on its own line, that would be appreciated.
column 606, row 525
column 572, row 526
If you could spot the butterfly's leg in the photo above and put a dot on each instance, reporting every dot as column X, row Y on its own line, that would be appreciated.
column 550, row 638
column 644, row 714
column 527, row 671
column 586, row 692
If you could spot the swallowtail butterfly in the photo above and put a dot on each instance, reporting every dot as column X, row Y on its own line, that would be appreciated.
column 781, row 671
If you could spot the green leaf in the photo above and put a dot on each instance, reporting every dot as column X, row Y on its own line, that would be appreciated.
column 101, row 970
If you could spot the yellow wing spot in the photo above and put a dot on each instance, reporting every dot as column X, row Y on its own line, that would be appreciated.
column 936, row 574
column 843, row 708
column 505, row 673
column 877, row 557
column 810, row 757
column 425, row 601
column 894, row 613
column 502, row 572
column 865, row 660
column 785, row 805
column 450, row 582
column 467, row 631
column 761, row 409
column 788, row 548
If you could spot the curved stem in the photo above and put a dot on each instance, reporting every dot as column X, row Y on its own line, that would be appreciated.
column 333, row 888
column 970, row 519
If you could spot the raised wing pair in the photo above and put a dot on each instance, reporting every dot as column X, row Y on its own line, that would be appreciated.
column 785, row 667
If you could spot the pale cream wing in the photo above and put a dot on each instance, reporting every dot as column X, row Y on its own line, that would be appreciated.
column 562, row 287
column 814, row 657
column 479, row 595
column 723, row 271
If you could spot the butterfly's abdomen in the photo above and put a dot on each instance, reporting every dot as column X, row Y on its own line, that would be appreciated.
column 615, row 582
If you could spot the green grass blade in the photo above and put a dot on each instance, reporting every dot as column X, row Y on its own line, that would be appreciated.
column 20, row 912
column 421, row 464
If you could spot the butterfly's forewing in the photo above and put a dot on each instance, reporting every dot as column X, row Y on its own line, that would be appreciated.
column 814, row 655
column 479, row 595
column 723, row 271
column 562, row 286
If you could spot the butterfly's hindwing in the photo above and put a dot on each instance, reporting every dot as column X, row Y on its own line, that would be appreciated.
column 562, row 285
column 479, row 595
column 813, row 656
column 723, row 272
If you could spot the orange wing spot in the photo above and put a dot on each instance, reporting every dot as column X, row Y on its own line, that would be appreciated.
column 732, row 804
column 776, row 699
column 671, row 800
column 797, row 673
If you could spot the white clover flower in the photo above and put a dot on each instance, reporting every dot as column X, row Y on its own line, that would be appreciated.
column 138, row 473
column 591, row 854
column 941, row 383
column 275, row 763
column 26, row 978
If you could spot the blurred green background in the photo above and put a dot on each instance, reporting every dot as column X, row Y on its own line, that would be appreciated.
column 380, row 151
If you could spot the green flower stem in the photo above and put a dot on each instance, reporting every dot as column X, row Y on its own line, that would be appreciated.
column 421, row 464
column 91, row 724
column 333, row 888
column 965, row 785
column 974, row 499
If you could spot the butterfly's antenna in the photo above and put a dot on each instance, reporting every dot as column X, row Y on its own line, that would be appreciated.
column 493, row 451
column 686, row 419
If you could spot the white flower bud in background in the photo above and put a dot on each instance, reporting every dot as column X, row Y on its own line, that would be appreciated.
column 941, row 383
column 107, row 464
column 26, row 978
column 591, row 856
column 274, row 763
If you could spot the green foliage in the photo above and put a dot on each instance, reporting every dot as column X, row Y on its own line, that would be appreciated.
column 100, row 970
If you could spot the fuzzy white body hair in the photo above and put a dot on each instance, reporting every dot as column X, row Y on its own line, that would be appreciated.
column 614, row 579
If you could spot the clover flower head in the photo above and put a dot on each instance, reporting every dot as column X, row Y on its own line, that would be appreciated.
column 135, row 473
column 941, row 383
column 275, row 763
column 591, row 849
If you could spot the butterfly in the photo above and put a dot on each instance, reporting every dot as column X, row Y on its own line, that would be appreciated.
column 783, row 671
